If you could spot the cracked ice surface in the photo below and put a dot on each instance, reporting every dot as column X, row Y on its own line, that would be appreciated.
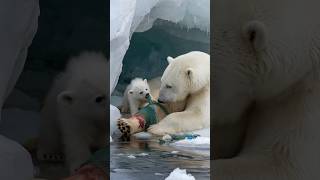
column 129, row 16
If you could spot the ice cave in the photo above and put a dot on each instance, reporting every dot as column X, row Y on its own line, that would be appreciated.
column 144, row 33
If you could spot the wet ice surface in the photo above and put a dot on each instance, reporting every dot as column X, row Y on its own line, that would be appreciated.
column 154, row 161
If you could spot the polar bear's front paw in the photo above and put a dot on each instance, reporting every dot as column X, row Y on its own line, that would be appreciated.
column 160, row 130
column 124, row 127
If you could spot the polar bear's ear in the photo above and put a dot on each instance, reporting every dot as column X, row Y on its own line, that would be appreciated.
column 255, row 32
column 170, row 59
column 65, row 97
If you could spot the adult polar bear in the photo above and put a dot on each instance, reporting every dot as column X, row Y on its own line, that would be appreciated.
column 266, row 94
column 185, row 88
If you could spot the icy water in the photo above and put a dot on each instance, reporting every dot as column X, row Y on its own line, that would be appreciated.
column 147, row 159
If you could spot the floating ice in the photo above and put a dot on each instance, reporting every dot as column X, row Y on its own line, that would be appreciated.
column 128, row 16
column 143, row 154
column 158, row 174
column 203, row 141
column 143, row 135
column 179, row 174
column 131, row 157
column 174, row 152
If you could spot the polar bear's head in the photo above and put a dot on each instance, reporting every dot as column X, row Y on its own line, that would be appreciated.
column 84, row 90
column 185, row 75
column 139, row 89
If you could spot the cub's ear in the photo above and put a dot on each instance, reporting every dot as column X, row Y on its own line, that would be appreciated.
column 65, row 97
column 189, row 73
column 146, row 81
column 170, row 59
column 130, row 92
column 256, row 33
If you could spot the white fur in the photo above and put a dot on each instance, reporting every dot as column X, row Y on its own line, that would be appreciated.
column 135, row 95
column 266, row 90
column 72, row 120
column 186, row 79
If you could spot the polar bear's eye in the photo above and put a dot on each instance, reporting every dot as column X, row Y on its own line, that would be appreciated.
column 99, row 99
column 168, row 86
column 140, row 92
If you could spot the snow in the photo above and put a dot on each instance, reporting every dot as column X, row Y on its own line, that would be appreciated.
column 129, row 16
column 114, row 116
column 179, row 174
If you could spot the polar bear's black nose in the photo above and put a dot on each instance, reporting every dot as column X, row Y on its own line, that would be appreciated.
column 159, row 101
column 147, row 95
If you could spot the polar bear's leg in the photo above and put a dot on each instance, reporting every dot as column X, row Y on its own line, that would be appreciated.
column 77, row 150
column 49, row 146
column 178, row 122
column 134, row 106
column 125, row 104
column 75, row 139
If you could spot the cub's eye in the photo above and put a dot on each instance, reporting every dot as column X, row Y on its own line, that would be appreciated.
column 141, row 92
column 167, row 86
column 146, row 89
column 99, row 99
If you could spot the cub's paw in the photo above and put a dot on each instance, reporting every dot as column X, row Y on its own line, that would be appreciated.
column 124, row 127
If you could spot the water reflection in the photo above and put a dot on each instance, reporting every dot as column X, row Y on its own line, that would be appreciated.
column 146, row 159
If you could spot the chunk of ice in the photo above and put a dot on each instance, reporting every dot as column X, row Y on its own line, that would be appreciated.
column 179, row 174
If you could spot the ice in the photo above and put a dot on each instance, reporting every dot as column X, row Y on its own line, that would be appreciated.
column 15, row 161
column 28, row 122
column 179, row 174
column 203, row 132
column 114, row 116
column 143, row 154
column 158, row 174
column 131, row 157
column 143, row 135
column 196, row 142
column 129, row 16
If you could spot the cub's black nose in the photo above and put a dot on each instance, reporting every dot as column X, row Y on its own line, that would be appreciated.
column 147, row 95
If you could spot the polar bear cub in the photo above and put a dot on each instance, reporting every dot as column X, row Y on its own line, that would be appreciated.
column 74, row 113
column 135, row 95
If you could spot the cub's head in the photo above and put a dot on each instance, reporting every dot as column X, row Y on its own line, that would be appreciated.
column 139, row 89
column 185, row 75
column 84, row 92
